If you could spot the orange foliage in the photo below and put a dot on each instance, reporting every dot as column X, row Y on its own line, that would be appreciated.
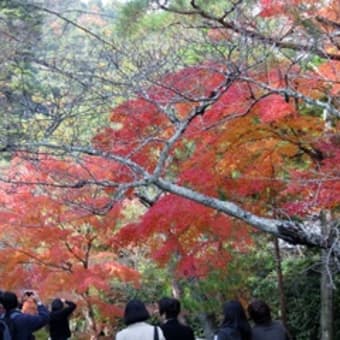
column 272, row 8
column 330, row 73
column 52, row 242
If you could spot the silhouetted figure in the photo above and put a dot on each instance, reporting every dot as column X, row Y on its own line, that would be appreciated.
column 172, row 328
column 135, row 317
column 24, row 324
column 59, row 319
column 265, row 328
column 235, row 325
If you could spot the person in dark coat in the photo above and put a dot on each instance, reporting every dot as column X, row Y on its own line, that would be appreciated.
column 169, row 308
column 265, row 328
column 24, row 324
column 59, row 319
column 235, row 325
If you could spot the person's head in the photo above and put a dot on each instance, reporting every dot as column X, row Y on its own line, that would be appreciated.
column 135, row 311
column 259, row 312
column 29, row 306
column 235, row 317
column 170, row 307
column 233, row 312
column 57, row 304
column 9, row 300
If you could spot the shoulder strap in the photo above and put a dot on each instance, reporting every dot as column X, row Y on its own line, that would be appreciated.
column 9, row 319
column 5, row 331
column 155, row 336
column 14, row 314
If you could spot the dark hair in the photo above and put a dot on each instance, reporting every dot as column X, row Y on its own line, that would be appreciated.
column 135, row 311
column 171, row 307
column 259, row 312
column 57, row 304
column 235, row 317
column 9, row 300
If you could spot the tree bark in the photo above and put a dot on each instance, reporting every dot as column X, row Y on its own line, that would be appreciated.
column 326, row 317
column 283, row 305
column 326, row 287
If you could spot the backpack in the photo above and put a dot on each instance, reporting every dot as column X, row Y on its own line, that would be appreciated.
column 5, row 333
column 7, row 326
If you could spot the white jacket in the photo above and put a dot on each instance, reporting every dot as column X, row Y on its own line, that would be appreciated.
column 139, row 331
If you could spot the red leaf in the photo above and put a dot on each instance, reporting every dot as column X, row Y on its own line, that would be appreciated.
column 272, row 108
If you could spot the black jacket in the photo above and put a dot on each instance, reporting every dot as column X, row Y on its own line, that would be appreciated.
column 174, row 330
column 59, row 325
column 272, row 330
column 228, row 333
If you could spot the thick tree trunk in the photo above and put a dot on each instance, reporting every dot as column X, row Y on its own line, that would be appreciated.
column 288, row 230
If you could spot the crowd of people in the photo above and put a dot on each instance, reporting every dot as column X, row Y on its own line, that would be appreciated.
column 23, row 318
column 235, row 325
column 136, row 315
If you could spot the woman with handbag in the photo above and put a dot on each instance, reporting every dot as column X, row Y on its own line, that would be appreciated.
column 135, row 317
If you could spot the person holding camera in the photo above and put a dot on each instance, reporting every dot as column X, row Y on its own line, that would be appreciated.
column 59, row 319
column 28, row 305
column 24, row 325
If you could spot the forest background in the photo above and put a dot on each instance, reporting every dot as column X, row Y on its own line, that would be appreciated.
column 185, row 148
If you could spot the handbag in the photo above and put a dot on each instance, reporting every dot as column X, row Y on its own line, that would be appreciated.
column 155, row 334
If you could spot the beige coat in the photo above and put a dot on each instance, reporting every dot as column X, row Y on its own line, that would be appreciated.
column 139, row 331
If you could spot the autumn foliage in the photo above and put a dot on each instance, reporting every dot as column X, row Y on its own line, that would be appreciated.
column 252, row 135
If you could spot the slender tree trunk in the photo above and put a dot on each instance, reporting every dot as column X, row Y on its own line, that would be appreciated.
column 177, row 290
column 91, row 328
column 177, row 293
column 326, row 287
column 326, row 317
column 282, row 296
